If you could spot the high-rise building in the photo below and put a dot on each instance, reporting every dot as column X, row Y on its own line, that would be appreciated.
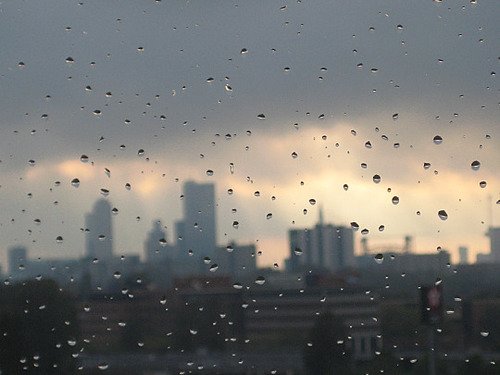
column 463, row 255
column 494, row 234
column 199, row 219
column 99, row 241
column 17, row 260
column 326, row 247
column 156, row 243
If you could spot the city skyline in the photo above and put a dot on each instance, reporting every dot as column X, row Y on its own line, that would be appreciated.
column 325, row 246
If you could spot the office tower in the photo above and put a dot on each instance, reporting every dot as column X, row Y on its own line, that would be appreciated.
column 494, row 234
column 199, row 219
column 99, row 241
column 156, row 243
column 463, row 253
column 17, row 259
column 326, row 247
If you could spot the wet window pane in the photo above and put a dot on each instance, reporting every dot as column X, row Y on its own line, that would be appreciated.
column 241, row 187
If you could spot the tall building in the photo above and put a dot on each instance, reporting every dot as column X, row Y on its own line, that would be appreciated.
column 17, row 260
column 99, row 241
column 463, row 255
column 199, row 228
column 156, row 243
column 326, row 247
column 494, row 234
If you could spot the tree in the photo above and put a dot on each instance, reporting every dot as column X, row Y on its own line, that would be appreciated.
column 326, row 352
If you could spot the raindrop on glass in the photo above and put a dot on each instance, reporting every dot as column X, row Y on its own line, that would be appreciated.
column 437, row 139
column 442, row 214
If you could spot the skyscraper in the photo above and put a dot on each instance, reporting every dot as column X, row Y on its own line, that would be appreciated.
column 494, row 234
column 325, row 246
column 17, row 260
column 99, row 241
column 199, row 219
column 155, row 244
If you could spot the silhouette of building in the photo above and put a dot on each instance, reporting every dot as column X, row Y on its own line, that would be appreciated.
column 494, row 234
column 196, row 233
column 325, row 246
column 236, row 261
column 17, row 258
column 99, row 241
column 156, row 243
column 463, row 255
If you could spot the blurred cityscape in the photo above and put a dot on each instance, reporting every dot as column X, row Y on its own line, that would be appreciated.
column 193, row 305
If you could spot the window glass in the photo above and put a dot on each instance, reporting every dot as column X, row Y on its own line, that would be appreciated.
column 286, row 187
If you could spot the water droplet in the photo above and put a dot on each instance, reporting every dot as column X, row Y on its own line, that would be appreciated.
column 237, row 286
column 475, row 165
column 365, row 231
column 368, row 144
column 105, row 192
column 75, row 182
column 312, row 201
column 128, row 186
column 260, row 280
column 103, row 366
column 381, row 228
column 437, row 139
column 243, row 51
column 117, row 275
column 140, row 152
column 482, row 184
column 269, row 215
column 210, row 172
column 214, row 267
column 261, row 116
column 485, row 333
column 210, row 79
column 228, row 88
column 114, row 211
column 97, row 112
column 399, row 27
column 377, row 178
column 379, row 258
column 59, row 239
column 235, row 224
column 84, row 158
column 427, row 165
column 298, row 251
column 442, row 214
column 345, row 187
column 395, row 199
column 162, row 242
column 354, row 226
column 294, row 155
column 70, row 60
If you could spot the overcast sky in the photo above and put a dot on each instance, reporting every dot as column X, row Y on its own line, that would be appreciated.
column 187, row 81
